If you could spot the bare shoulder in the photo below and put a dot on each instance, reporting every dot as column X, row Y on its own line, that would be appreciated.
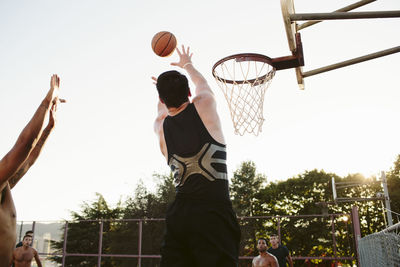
column 34, row 251
column 207, row 109
column 3, row 172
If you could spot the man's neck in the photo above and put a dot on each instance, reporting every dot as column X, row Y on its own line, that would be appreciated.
column 263, row 253
column 173, row 111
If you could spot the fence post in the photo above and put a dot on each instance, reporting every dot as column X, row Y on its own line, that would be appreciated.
column 279, row 229
column 100, row 244
column 334, row 239
column 65, row 243
column 356, row 230
column 33, row 230
column 20, row 231
column 140, row 243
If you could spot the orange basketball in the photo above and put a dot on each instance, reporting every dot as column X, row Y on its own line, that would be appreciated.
column 163, row 43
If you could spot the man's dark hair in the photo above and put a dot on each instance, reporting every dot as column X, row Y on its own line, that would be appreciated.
column 25, row 236
column 262, row 238
column 30, row 232
column 173, row 88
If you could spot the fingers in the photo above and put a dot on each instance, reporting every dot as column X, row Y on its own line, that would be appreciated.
column 179, row 52
column 54, row 81
column 154, row 79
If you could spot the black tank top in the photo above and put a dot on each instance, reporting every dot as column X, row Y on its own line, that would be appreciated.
column 197, row 161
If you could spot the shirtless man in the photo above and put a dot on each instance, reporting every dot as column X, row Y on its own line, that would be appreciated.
column 17, row 162
column 264, row 259
column 22, row 256
column 201, row 226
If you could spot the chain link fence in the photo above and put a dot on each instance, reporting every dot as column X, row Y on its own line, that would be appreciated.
column 314, row 240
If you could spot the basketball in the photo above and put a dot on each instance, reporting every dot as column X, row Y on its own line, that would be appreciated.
column 163, row 43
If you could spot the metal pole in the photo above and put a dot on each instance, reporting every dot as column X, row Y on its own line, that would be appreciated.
column 345, row 15
column 344, row 9
column 140, row 244
column 391, row 228
column 65, row 244
column 334, row 238
column 33, row 230
column 279, row 229
column 100, row 244
column 352, row 61
column 387, row 199
column 356, row 230
column 334, row 189
column 20, row 231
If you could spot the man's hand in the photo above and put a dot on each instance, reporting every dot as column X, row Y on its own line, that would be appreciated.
column 52, row 95
column 185, row 57
column 52, row 115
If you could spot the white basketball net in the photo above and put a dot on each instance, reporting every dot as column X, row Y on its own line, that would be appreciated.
column 245, row 95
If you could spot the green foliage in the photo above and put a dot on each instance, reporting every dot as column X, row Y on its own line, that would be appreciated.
column 252, row 196
column 144, row 205
column 83, row 233
column 245, row 187
column 393, row 180
column 119, row 237
column 245, row 194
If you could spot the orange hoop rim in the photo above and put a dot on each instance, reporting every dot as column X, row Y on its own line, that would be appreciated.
column 241, row 58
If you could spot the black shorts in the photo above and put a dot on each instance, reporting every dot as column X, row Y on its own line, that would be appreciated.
column 200, row 235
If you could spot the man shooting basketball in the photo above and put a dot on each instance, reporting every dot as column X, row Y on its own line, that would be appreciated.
column 17, row 162
column 201, row 227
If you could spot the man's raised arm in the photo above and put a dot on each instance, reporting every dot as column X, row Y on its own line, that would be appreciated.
column 37, row 150
column 185, row 62
column 29, row 136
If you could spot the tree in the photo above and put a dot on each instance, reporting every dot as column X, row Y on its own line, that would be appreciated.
column 393, row 180
column 245, row 189
column 144, row 205
column 83, row 233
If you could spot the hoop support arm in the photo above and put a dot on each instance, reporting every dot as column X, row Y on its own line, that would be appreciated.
column 345, row 15
column 343, row 9
column 352, row 61
column 293, row 61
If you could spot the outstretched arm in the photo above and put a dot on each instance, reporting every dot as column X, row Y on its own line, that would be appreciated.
column 290, row 260
column 162, row 112
column 38, row 148
column 37, row 259
column 185, row 62
column 29, row 136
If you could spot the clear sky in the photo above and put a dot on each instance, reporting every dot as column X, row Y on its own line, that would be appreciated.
column 345, row 121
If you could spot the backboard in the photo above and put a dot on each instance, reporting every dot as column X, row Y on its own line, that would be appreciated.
column 288, row 9
column 292, row 28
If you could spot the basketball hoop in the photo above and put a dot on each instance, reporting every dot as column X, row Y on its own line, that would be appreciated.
column 244, row 79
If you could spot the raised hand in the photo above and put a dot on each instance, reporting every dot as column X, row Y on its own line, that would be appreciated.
column 185, row 57
column 154, row 80
column 52, row 95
